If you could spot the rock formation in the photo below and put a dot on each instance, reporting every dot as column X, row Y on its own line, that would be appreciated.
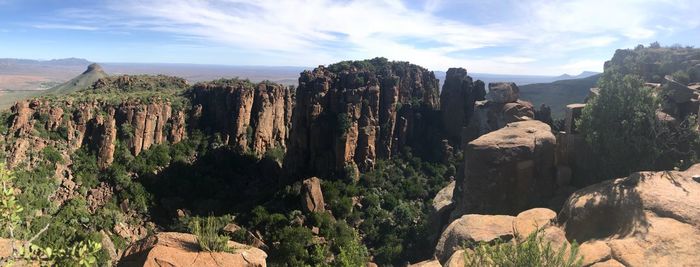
column 312, row 196
column 678, row 100
column 179, row 249
column 249, row 117
column 457, row 98
column 647, row 218
column 507, row 171
column 347, row 116
column 443, row 205
column 96, row 125
column 503, row 107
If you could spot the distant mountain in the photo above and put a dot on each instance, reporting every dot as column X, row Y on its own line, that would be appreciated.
column 558, row 94
column 93, row 73
column 584, row 74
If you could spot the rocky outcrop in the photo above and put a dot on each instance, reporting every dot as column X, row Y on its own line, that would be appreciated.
column 94, row 124
column 312, row 196
column 179, row 249
column 472, row 229
column 678, row 100
column 457, row 98
column 248, row 117
column 502, row 108
column 428, row 263
column 507, row 171
column 503, row 92
column 350, row 114
column 646, row 219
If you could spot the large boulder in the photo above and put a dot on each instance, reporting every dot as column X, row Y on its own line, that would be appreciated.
column 312, row 196
column 503, row 92
column 647, row 218
column 180, row 249
column 531, row 220
column 473, row 228
column 508, row 171
column 490, row 116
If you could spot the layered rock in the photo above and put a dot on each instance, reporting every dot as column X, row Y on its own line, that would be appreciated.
column 508, row 171
column 347, row 116
column 249, row 117
column 503, row 107
column 179, row 249
column 457, row 98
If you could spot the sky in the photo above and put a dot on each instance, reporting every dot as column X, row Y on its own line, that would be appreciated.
column 537, row 37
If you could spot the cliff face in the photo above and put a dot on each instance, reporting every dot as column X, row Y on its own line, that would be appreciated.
column 96, row 125
column 249, row 117
column 459, row 93
column 349, row 114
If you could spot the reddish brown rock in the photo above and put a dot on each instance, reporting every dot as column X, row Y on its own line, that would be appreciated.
column 373, row 113
column 508, row 171
column 594, row 251
column 312, row 196
column 251, row 117
column 179, row 249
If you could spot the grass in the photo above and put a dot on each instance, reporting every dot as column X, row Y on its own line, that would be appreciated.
column 208, row 237
column 533, row 251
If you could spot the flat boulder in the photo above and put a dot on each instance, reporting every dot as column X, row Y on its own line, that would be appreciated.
column 529, row 221
column 473, row 228
column 503, row 92
column 647, row 218
column 180, row 249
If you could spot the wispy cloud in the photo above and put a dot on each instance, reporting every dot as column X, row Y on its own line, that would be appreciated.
column 58, row 26
column 541, row 38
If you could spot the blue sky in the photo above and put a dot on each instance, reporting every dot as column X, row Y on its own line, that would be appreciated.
column 508, row 37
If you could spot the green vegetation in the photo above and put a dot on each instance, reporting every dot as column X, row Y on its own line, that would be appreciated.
column 9, row 207
column 640, row 142
column 395, row 199
column 533, row 251
column 207, row 234
column 652, row 63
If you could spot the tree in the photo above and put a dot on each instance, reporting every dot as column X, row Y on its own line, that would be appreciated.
column 617, row 125
column 625, row 135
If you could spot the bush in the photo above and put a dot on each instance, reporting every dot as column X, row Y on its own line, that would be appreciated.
column 352, row 254
column 533, row 251
column 208, row 237
column 639, row 141
column 9, row 207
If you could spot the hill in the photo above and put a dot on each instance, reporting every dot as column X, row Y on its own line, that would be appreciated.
column 93, row 73
column 559, row 93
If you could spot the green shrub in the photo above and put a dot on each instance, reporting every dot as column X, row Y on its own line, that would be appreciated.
column 352, row 254
column 343, row 124
column 639, row 142
column 9, row 207
column 83, row 253
column 52, row 155
column 208, row 237
column 533, row 251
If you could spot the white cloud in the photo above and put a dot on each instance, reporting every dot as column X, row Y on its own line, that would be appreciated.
column 541, row 38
